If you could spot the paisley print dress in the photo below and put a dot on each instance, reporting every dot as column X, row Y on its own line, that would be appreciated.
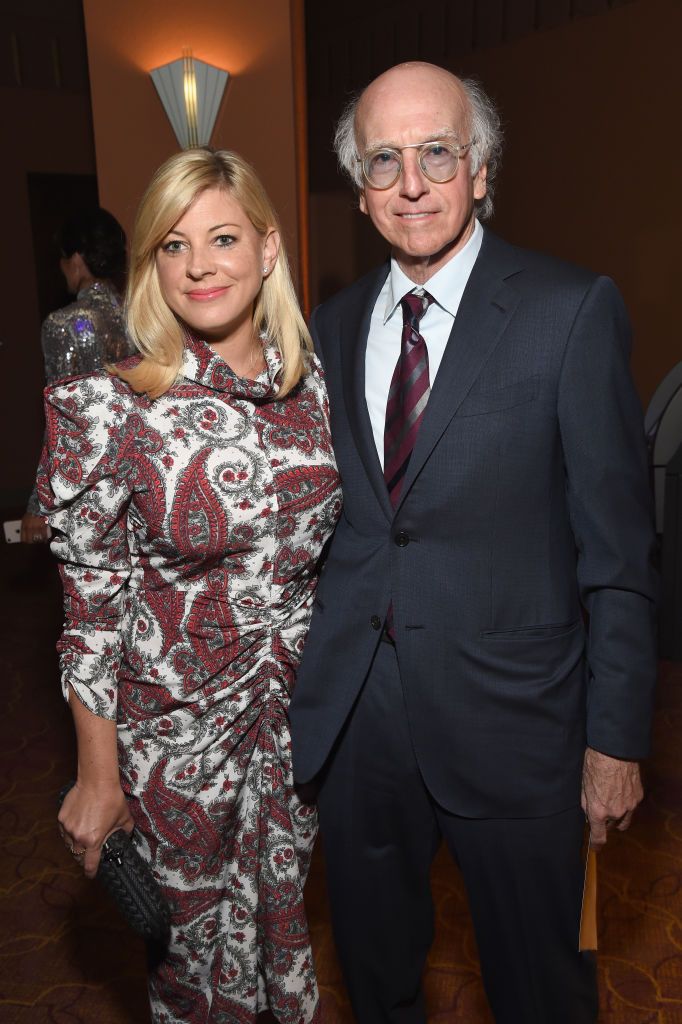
column 188, row 531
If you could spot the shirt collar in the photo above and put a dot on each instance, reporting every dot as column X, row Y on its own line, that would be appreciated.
column 202, row 364
column 446, row 286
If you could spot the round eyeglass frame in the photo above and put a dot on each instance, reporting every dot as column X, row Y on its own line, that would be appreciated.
column 458, row 150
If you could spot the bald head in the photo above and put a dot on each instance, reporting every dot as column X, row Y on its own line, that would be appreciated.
column 414, row 89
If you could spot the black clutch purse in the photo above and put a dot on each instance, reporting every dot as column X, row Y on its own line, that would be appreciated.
column 128, row 879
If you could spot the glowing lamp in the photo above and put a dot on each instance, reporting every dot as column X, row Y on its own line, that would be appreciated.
column 190, row 91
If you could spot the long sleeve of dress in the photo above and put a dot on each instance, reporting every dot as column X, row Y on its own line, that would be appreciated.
column 84, row 492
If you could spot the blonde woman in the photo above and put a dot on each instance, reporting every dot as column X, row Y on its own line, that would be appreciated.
column 190, row 490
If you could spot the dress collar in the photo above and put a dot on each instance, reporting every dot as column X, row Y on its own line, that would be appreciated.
column 203, row 365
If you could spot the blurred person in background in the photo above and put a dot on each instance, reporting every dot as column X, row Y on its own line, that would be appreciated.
column 90, row 331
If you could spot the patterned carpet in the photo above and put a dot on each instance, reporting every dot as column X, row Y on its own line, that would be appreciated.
column 65, row 958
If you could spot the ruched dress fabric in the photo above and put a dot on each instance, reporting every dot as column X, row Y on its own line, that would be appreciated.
column 188, row 529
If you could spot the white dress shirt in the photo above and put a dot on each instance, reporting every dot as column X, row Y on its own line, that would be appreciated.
column 386, row 326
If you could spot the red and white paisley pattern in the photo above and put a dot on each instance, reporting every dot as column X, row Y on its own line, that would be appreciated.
column 188, row 529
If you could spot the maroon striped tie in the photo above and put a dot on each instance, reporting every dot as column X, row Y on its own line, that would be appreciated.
column 407, row 396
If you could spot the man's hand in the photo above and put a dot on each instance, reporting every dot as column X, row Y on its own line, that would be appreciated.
column 611, row 791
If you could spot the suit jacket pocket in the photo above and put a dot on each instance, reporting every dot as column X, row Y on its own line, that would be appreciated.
column 481, row 402
column 543, row 631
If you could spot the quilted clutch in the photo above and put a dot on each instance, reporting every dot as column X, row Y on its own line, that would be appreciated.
column 129, row 880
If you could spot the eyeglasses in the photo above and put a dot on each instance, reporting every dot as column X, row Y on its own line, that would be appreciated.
column 438, row 161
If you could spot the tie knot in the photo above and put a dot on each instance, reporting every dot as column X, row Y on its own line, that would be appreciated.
column 414, row 306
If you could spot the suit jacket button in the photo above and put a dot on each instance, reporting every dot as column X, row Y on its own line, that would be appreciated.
column 376, row 622
column 402, row 539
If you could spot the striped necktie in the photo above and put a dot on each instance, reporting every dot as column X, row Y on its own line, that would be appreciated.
column 408, row 394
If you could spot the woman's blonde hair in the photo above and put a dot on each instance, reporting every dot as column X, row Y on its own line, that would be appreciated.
column 152, row 325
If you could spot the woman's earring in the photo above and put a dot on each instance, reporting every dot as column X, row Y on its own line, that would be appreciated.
column 265, row 270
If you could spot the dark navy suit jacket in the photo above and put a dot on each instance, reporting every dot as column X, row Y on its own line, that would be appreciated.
column 526, row 504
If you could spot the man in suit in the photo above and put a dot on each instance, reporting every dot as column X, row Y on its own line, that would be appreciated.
column 490, row 445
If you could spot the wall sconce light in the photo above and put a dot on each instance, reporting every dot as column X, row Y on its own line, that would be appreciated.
column 190, row 91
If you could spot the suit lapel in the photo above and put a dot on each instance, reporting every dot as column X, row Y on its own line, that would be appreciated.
column 485, row 310
column 354, row 331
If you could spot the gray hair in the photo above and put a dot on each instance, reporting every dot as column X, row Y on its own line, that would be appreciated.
column 485, row 128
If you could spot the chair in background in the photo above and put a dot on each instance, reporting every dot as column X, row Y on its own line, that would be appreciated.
column 663, row 426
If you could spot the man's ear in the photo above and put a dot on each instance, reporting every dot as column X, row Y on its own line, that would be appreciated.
column 362, row 202
column 481, row 182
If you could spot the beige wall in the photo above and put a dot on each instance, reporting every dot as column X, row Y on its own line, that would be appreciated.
column 594, row 148
column 591, row 165
column 249, row 38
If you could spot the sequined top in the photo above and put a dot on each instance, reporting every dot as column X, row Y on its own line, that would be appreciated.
column 82, row 337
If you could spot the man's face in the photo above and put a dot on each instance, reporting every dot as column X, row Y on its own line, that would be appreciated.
column 426, row 223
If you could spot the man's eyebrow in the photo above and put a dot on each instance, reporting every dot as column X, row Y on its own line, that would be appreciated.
column 444, row 133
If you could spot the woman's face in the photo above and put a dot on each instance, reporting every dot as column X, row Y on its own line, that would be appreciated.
column 211, row 266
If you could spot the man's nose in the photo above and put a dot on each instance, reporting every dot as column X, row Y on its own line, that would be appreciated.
column 413, row 182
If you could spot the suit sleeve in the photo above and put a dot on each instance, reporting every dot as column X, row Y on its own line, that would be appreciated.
column 314, row 333
column 610, row 503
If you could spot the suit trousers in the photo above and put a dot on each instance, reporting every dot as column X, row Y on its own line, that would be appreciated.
column 523, row 877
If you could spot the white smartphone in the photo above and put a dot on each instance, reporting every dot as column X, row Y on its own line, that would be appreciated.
column 12, row 528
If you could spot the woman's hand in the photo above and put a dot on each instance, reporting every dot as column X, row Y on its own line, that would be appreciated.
column 34, row 529
column 88, row 816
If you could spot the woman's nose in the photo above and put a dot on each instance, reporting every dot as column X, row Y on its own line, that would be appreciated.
column 200, row 262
